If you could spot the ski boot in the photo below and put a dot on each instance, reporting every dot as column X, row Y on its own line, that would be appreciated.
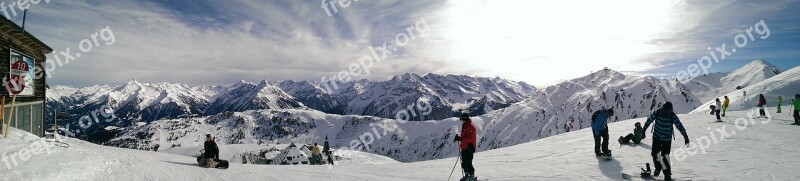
column 658, row 170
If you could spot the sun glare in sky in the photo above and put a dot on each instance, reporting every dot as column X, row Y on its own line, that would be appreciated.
column 524, row 39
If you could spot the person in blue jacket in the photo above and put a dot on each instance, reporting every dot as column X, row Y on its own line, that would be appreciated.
column 600, row 131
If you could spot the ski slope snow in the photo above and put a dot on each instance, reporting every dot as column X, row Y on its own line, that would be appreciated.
column 752, row 151
column 786, row 85
column 715, row 85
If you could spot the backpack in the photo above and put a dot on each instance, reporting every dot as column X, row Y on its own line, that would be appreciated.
column 599, row 121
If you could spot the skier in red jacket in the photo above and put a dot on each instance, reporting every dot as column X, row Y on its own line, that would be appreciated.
column 468, row 145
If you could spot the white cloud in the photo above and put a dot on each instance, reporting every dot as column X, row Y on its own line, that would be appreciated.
column 264, row 40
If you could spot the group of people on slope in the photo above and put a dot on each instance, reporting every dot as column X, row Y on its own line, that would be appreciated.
column 762, row 104
column 316, row 154
column 664, row 121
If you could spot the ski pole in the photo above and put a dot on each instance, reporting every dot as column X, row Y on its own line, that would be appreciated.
column 454, row 167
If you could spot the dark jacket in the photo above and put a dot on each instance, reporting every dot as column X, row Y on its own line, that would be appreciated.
column 663, row 130
column 638, row 134
column 211, row 150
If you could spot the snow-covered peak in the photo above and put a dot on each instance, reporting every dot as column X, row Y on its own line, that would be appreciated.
column 785, row 85
column 710, row 86
column 249, row 96
column 751, row 73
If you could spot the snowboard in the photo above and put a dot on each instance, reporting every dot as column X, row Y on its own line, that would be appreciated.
column 223, row 164
column 606, row 157
column 476, row 179
column 651, row 178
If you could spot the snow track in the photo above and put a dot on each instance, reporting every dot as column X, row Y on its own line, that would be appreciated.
column 758, row 152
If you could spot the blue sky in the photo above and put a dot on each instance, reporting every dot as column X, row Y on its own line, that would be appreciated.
column 207, row 42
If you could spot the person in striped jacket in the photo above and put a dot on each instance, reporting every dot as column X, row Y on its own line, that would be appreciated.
column 664, row 118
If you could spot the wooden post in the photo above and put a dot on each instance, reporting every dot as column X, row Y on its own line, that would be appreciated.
column 11, row 114
column 30, row 111
column 55, row 123
column 3, row 116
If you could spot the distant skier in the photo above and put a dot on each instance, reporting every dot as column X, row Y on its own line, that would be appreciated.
column 600, row 131
column 744, row 94
column 716, row 111
column 326, row 149
column 637, row 135
column 762, row 103
column 725, row 105
column 211, row 154
column 780, row 101
column 664, row 119
column 468, row 146
column 796, row 104
column 568, row 126
column 316, row 155
column 712, row 108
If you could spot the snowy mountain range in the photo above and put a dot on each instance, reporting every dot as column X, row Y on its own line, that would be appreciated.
column 145, row 102
column 511, row 116
column 714, row 85
column 542, row 115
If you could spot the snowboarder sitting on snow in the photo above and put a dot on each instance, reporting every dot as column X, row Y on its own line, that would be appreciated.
column 600, row 130
column 468, row 145
column 636, row 136
column 211, row 154
column 664, row 119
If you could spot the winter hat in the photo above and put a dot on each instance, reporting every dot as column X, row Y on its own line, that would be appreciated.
column 667, row 107
column 464, row 116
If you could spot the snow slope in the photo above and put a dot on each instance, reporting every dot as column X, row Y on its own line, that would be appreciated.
column 756, row 152
column 233, row 153
column 711, row 86
column 544, row 115
column 786, row 85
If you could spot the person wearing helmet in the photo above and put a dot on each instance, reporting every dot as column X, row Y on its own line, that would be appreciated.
column 664, row 118
column 469, row 143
